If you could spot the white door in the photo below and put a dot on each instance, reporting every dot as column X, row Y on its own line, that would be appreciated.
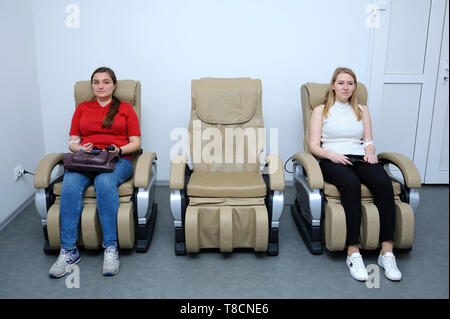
column 404, row 66
column 437, row 164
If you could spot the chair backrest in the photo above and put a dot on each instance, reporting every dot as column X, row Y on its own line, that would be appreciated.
column 126, row 91
column 312, row 95
column 228, row 114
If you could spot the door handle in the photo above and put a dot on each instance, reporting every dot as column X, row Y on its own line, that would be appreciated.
column 446, row 69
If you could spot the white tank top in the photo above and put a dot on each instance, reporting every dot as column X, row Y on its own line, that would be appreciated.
column 341, row 132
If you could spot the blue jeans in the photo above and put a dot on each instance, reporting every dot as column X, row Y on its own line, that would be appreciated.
column 106, row 184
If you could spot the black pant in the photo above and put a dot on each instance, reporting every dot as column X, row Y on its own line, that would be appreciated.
column 348, row 181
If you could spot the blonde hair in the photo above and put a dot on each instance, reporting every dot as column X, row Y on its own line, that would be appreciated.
column 330, row 97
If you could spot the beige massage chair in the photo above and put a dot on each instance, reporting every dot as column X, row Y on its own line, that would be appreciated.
column 317, row 209
column 227, row 194
column 137, row 211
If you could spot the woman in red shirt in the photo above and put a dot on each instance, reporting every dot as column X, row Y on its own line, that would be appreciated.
column 99, row 123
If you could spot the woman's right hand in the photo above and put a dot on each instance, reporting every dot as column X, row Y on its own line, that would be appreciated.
column 339, row 158
column 87, row 147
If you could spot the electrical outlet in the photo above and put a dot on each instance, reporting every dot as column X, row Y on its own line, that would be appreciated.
column 18, row 172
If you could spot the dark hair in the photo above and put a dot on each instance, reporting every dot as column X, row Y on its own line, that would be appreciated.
column 114, row 107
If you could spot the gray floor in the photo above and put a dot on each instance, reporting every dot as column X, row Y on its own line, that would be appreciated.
column 294, row 273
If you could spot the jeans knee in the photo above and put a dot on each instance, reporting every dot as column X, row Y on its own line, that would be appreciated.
column 69, row 190
column 105, row 185
column 74, row 184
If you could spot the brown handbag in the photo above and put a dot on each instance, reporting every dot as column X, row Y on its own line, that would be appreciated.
column 90, row 162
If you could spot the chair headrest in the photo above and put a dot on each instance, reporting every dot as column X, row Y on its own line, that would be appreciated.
column 126, row 91
column 226, row 101
column 317, row 92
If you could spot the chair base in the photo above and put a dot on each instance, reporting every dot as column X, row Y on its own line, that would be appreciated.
column 312, row 235
column 272, row 246
column 272, row 249
column 180, row 242
column 180, row 249
column 145, row 232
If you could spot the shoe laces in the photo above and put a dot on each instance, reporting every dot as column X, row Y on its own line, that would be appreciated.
column 64, row 254
column 357, row 262
column 390, row 262
column 110, row 255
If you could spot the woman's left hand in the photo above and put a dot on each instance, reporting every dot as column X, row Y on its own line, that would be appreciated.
column 116, row 149
column 370, row 158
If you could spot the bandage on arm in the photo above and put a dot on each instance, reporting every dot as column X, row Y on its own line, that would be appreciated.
column 367, row 142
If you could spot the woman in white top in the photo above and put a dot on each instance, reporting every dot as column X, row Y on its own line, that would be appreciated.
column 341, row 136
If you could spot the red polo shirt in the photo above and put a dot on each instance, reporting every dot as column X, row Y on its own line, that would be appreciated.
column 88, row 119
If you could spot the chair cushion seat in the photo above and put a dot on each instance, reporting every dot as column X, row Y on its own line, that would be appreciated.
column 125, row 189
column 219, row 184
column 331, row 190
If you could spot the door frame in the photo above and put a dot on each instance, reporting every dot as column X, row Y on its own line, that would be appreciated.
column 440, row 114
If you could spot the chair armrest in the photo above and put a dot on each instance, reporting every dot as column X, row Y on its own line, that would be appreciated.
column 177, row 171
column 409, row 171
column 276, row 172
column 44, row 169
column 142, row 170
column 312, row 168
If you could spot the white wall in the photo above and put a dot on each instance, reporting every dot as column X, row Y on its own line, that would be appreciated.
column 21, row 131
column 166, row 44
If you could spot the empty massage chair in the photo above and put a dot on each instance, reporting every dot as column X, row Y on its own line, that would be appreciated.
column 137, row 211
column 317, row 210
column 228, row 193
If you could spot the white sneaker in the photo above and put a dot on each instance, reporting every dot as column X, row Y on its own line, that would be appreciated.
column 390, row 266
column 65, row 258
column 111, row 261
column 356, row 267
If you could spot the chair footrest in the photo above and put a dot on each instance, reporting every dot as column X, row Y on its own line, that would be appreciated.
column 226, row 227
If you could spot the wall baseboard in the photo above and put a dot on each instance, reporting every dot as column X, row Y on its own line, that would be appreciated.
column 16, row 212
column 163, row 182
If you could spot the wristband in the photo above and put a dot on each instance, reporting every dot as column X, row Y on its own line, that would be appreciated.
column 77, row 141
column 367, row 142
column 120, row 151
